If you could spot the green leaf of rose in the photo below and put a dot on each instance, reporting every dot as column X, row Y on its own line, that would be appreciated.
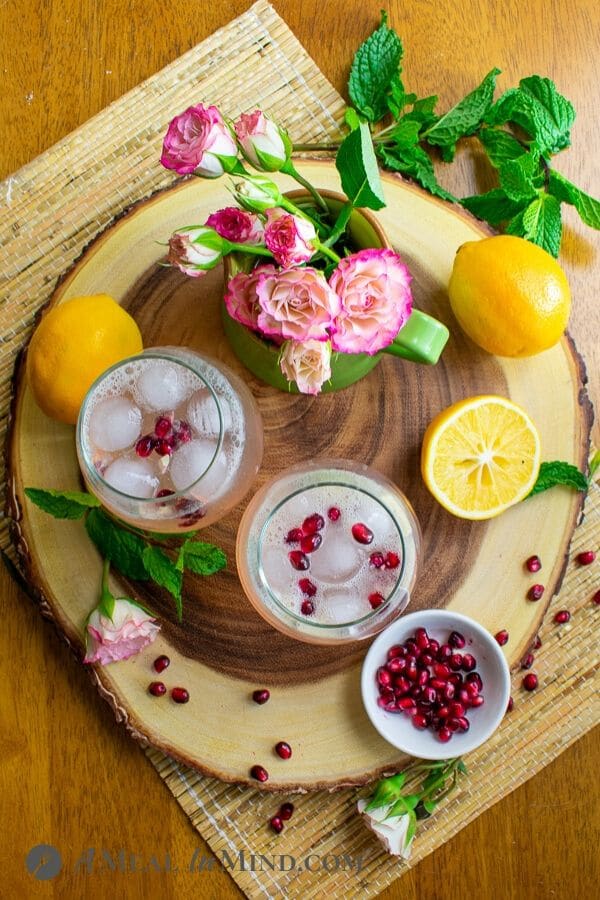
column 357, row 165
column 375, row 63
column 464, row 118
column 62, row 504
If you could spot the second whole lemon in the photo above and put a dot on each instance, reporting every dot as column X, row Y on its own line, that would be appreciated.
column 510, row 296
column 73, row 344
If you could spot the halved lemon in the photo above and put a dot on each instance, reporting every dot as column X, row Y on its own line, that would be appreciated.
column 480, row 456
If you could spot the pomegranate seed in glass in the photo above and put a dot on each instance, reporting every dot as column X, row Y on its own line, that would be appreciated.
column 169, row 440
column 339, row 567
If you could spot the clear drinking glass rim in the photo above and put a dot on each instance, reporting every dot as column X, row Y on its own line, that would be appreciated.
column 299, row 617
column 151, row 353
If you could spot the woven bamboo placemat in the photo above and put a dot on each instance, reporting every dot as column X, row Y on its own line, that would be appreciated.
column 53, row 207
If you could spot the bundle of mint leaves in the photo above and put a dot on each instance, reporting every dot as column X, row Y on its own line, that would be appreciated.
column 520, row 132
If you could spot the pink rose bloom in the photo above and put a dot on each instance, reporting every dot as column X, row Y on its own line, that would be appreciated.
column 296, row 304
column 374, row 288
column 262, row 141
column 289, row 238
column 236, row 225
column 128, row 631
column 240, row 298
column 195, row 250
column 308, row 364
column 198, row 140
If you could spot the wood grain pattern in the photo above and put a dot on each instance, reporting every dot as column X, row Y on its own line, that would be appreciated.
column 59, row 68
column 379, row 420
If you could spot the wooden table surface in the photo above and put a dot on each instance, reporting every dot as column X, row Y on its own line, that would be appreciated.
column 69, row 776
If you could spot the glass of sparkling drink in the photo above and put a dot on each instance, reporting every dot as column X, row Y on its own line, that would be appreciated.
column 169, row 440
column 327, row 552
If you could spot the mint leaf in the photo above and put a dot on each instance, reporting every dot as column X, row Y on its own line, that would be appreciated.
column 422, row 111
column 203, row 558
column 414, row 162
column 542, row 222
column 375, row 63
column 517, row 177
column 500, row 145
column 539, row 109
column 494, row 207
column 405, row 134
column 558, row 472
column 397, row 98
column 587, row 207
column 163, row 572
column 516, row 226
column 512, row 106
column 357, row 165
column 464, row 118
column 62, row 504
column 553, row 114
column 124, row 549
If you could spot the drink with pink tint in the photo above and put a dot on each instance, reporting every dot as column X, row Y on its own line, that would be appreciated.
column 327, row 552
column 169, row 440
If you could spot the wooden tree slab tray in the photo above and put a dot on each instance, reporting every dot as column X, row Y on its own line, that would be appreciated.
column 223, row 650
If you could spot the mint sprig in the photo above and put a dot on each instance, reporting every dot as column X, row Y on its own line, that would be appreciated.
column 519, row 132
column 131, row 550
column 559, row 472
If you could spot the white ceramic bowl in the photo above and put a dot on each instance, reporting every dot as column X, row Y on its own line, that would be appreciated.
column 397, row 728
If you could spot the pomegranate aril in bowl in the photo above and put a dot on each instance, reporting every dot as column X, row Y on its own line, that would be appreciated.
column 449, row 708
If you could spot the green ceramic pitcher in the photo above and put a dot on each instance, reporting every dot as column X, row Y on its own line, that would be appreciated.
column 421, row 339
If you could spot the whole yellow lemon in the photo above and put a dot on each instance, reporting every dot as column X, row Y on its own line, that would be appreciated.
column 73, row 344
column 510, row 296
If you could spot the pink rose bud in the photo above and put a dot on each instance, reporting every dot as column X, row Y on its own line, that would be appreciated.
column 263, row 143
column 257, row 193
column 129, row 630
column 289, row 238
column 199, row 140
column 296, row 304
column 195, row 249
column 308, row 364
column 374, row 289
column 237, row 226
column 240, row 298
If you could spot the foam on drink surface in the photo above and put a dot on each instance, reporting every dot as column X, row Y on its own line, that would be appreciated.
column 127, row 405
column 340, row 568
